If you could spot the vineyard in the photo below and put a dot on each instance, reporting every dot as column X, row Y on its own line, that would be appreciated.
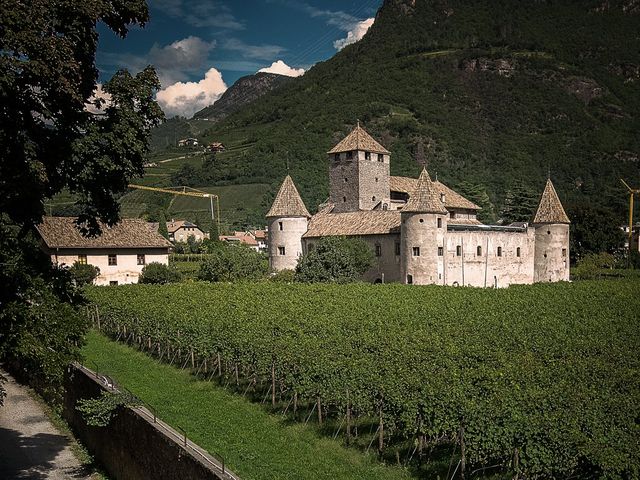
column 533, row 381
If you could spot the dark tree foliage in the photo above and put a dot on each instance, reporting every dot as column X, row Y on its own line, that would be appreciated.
column 335, row 259
column 162, row 225
column 232, row 263
column 159, row 273
column 54, row 136
column 594, row 230
column 520, row 204
column 83, row 273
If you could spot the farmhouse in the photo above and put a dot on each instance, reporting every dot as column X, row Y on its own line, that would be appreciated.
column 181, row 230
column 254, row 239
column 421, row 231
column 120, row 252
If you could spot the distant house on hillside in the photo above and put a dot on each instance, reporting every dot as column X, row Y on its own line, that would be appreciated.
column 252, row 239
column 188, row 142
column 216, row 147
column 181, row 230
column 120, row 252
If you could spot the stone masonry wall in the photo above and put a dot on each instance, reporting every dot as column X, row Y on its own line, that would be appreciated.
column 131, row 447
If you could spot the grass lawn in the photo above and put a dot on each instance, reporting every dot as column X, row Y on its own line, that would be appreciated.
column 254, row 444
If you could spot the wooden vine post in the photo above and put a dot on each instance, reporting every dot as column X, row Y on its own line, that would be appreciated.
column 273, row 382
column 319, row 411
column 463, row 453
column 348, row 419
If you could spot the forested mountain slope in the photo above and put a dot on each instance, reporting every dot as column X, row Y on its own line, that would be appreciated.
column 493, row 95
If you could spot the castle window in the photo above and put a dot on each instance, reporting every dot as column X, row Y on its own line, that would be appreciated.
column 373, row 199
column 82, row 259
column 349, row 155
column 479, row 251
column 440, row 251
column 439, row 222
column 113, row 260
column 380, row 157
column 442, row 197
column 378, row 250
column 564, row 252
column 458, row 250
column 367, row 155
column 376, row 179
column 346, row 180
column 518, row 252
column 141, row 259
column 397, row 248
column 113, row 283
column 409, row 279
column 336, row 157
column 499, row 251
column 280, row 226
column 281, row 251
column 548, row 232
column 416, row 251
column 344, row 199
column 422, row 220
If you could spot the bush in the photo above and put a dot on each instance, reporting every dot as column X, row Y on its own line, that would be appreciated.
column 83, row 273
column 590, row 265
column 230, row 263
column 159, row 273
column 335, row 259
column 283, row 276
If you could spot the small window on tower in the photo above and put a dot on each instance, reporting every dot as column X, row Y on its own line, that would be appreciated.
column 479, row 251
column 367, row 155
column 378, row 250
column 373, row 199
column 439, row 223
column 344, row 199
column 458, row 250
column 518, row 252
column 280, row 226
column 336, row 157
column 564, row 252
column 410, row 279
column 440, row 251
column 376, row 179
column 397, row 248
column 346, row 180
column 349, row 155
column 281, row 251
column 416, row 251
column 499, row 251
column 380, row 157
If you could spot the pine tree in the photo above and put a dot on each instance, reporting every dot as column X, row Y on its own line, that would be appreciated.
column 520, row 204
column 162, row 225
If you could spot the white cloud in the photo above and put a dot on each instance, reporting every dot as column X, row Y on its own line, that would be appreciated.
column 186, row 98
column 354, row 34
column 282, row 68
column 103, row 97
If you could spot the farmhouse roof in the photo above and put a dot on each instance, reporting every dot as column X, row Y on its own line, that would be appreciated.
column 175, row 225
column 358, row 139
column 452, row 199
column 61, row 232
column 424, row 197
column 288, row 202
column 550, row 208
column 365, row 222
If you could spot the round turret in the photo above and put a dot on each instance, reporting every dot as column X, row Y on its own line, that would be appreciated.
column 422, row 235
column 288, row 220
column 551, row 223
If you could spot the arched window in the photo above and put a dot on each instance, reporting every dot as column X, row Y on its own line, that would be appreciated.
column 518, row 252
column 499, row 251
column 479, row 251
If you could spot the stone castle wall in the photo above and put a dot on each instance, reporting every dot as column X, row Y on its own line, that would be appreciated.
column 285, row 233
column 551, row 253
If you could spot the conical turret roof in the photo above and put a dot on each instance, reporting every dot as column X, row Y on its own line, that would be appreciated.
column 288, row 202
column 550, row 208
column 424, row 198
column 358, row 139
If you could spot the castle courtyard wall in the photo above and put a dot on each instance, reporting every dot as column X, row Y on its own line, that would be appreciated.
column 489, row 269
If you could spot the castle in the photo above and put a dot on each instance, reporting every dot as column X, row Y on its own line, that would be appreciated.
column 421, row 231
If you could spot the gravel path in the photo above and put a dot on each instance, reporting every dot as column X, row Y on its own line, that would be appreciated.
column 30, row 446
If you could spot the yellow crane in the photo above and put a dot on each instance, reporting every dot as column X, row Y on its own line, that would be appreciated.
column 191, row 193
column 632, row 192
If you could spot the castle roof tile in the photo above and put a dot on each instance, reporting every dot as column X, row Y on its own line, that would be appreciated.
column 358, row 139
column 424, row 197
column 365, row 222
column 288, row 202
column 550, row 209
column 452, row 199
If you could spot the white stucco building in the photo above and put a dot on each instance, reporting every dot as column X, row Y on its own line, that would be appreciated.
column 120, row 252
column 421, row 231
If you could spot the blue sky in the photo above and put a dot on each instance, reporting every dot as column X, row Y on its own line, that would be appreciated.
column 201, row 47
